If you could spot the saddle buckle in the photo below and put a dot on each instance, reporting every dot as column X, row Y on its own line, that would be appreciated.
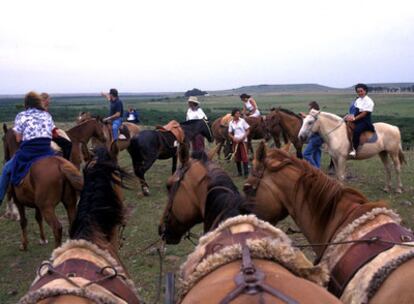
column 406, row 238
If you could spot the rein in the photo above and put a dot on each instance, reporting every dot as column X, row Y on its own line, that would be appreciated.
column 325, row 136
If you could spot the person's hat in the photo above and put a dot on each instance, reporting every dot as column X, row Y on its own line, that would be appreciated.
column 193, row 99
column 113, row 92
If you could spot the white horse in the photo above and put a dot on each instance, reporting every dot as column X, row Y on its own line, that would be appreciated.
column 333, row 130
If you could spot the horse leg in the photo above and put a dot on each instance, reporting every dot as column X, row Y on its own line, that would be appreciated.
column 220, row 145
column 39, row 220
column 174, row 163
column 250, row 149
column 384, row 158
column 53, row 222
column 140, row 170
column 23, row 226
column 340, row 168
column 69, row 201
column 397, row 166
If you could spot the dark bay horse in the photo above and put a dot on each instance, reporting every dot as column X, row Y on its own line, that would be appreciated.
column 151, row 145
column 242, row 258
column 49, row 181
column 370, row 262
column 87, row 268
column 290, row 123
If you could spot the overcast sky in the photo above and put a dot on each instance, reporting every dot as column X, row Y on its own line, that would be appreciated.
column 147, row 46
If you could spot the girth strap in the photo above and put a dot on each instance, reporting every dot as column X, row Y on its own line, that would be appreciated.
column 72, row 268
column 360, row 254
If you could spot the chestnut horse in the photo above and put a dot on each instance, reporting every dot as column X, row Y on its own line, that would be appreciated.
column 87, row 268
column 290, row 124
column 334, row 132
column 369, row 262
column 221, row 137
column 242, row 258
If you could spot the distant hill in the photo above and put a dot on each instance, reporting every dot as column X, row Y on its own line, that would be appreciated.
column 279, row 88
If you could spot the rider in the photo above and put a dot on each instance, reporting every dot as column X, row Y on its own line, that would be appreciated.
column 33, row 129
column 238, row 132
column 195, row 112
column 360, row 115
column 313, row 150
column 249, row 106
column 132, row 115
column 116, row 111
column 58, row 136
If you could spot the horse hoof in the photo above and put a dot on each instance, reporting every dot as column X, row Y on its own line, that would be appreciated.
column 43, row 242
column 386, row 189
column 23, row 247
column 399, row 190
column 145, row 191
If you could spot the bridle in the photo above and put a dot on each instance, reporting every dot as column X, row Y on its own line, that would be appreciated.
column 325, row 136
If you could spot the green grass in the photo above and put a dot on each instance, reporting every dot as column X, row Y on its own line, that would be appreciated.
column 17, row 269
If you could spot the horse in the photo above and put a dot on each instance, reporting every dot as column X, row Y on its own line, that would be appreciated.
column 87, row 268
column 80, row 136
column 221, row 137
column 151, row 145
column 128, row 129
column 241, row 258
column 49, row 181
column 359, row 241
column 290, row 124
column 334, row 132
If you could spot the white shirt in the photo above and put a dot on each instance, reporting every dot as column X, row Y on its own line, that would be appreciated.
column 249, row 107
column 364, row 104
column 34, row 123
column 197, row 114
column 239, row 128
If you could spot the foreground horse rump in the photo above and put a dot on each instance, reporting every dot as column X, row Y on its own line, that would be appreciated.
column 377, row 268
column 87, row 268
column 242, row 259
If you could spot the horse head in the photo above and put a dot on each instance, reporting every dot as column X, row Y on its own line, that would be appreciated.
column 310, row 125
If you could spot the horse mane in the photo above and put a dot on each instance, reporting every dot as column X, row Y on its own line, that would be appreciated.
column 99, row 209
column 289, row 112
column 223, row 198
column 326, row 192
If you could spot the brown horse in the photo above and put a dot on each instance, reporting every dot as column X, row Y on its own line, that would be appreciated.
column 80, row 136
column 290, row 123
column 369, row 263
column 49, row 181
column 128, row 129
column 242, row 258
column 221, row 137
column 87, row 269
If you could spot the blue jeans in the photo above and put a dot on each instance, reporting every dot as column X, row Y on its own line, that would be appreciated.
column 5, row 179
column 313, row 150
column 116, row 124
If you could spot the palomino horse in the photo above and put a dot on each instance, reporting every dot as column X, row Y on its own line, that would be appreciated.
column 87, row 268
column 242, row 259
column 359, row 241
column 290, row 123
column 151, row 145
column 333, row 130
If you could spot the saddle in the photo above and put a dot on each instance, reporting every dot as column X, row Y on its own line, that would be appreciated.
column 366, row 137
column 246, row 238
column 175, row 128
column 80, row 268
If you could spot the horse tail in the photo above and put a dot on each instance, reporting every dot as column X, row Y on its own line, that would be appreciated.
column 401, row 156
column 72, row 174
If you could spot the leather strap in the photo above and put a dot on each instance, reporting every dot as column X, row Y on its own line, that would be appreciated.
column 82, row 268
column 360, row 254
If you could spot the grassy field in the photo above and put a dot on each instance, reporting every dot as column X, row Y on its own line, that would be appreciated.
column 17, row 269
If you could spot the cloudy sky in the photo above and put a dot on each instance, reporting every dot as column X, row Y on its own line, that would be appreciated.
column 147, row 46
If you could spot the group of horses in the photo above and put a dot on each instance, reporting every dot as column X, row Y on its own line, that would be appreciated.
column 363, row 254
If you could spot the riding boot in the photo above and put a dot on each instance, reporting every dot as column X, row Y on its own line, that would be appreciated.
column 239, row 168
column 246, row 169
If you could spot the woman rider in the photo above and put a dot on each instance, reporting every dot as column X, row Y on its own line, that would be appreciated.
column 360, row 115
column 195, row 112
column 33, row 129
column 249, row 106
column 238, row 132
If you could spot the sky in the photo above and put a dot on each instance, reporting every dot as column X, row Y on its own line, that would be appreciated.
column 162, row 46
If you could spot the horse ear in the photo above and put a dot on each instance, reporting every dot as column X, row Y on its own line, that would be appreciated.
column 5, row 128
column 114, row 150
column 261, row 152
column 183, row 153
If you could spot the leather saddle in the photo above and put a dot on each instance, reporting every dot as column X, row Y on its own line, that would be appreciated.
column 175, row 128
column 366, row 137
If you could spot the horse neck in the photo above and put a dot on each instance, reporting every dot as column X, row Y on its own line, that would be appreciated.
column 290, row 123
column 84, row 131
column 333, row 130
column 305, row 210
